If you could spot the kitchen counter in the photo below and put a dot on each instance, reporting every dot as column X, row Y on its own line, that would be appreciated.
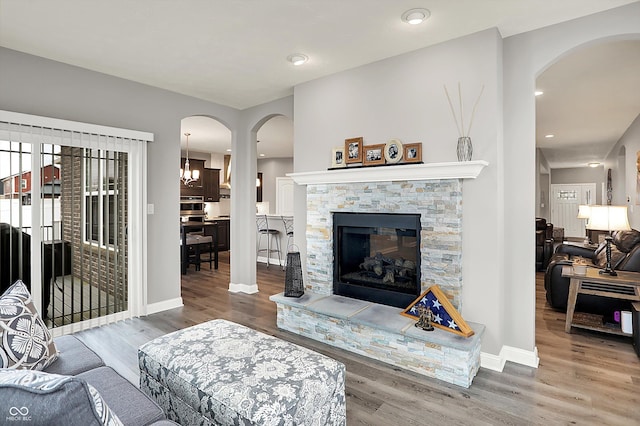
column 217, row 218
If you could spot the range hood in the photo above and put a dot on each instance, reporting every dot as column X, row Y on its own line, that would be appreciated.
column 226, row 172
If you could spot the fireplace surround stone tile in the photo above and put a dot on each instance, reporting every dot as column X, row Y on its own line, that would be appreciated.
column 373, row 331
column 439, row 203
column 338, row 306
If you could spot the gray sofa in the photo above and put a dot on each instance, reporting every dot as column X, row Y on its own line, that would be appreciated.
column 68, row 404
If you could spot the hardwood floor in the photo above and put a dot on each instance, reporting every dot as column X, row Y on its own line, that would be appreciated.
column 584, row 378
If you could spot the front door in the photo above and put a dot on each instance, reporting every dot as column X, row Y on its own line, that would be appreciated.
column 565, row 199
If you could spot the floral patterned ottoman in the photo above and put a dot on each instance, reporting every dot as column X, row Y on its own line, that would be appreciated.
column 222, row 373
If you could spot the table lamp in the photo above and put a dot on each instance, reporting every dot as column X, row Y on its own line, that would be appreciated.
column 584, row 212
column 608, row 218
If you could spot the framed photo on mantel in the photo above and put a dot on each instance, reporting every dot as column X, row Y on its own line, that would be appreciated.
column 353, row 150
column 373, row 155
column 413, row 152
column 338, row 158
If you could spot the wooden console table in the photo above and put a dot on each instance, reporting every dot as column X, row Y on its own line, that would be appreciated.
column 624, row 286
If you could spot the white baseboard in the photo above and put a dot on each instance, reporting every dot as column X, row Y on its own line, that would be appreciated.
column 491, row 361
column 243, row 288
column 272, row 261
column 165, row 305
column 509, row 353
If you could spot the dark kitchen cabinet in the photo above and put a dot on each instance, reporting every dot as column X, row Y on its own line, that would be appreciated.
column 211, row 184
column 223, row 234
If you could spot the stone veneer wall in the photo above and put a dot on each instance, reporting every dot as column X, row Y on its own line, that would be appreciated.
column 439, row 203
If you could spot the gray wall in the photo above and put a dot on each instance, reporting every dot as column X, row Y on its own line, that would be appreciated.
column 33, row 85
column 626, row 175
column 403, row 97
column 272, row 168
column 542, row 185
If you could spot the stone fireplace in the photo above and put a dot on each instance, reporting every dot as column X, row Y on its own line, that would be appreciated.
column 431, row 194
column 376, row 257
column 438, row 203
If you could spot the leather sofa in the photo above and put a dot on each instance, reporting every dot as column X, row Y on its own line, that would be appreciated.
column 625, row 256
column 544, row 243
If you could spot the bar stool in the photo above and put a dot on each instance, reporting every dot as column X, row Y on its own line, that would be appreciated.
column 263, row 229
column 192, row 250
column 288, row 229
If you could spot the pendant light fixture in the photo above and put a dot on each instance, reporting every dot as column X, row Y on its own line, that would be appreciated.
column 186, row 175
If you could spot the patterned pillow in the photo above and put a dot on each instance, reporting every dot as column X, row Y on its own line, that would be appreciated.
column 625, row 241
column 25, row 341
column 41, row 398
column 616, row 257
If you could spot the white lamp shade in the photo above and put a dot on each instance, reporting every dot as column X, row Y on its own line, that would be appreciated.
column 584, row 211
column 608, row 218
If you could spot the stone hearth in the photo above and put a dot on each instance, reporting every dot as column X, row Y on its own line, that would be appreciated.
column 435, row 192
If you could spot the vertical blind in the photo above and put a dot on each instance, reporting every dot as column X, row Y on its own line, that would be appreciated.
column 73, row 201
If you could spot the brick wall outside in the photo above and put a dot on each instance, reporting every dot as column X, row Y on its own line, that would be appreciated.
column 103, row 268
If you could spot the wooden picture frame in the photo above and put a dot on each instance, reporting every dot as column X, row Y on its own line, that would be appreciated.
column 373, row 155
column 353, row 150
column 337, row 158
column 413, row 153
column 393, row 151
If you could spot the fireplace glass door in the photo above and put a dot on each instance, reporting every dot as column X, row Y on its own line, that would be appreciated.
column 377, row 257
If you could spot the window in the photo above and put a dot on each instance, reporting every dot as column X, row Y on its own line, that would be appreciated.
column 101, row 197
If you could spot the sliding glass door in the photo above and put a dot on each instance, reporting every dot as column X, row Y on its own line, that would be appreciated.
column 65, row 214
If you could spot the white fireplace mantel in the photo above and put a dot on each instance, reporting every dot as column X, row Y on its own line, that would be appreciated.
column 429, row 171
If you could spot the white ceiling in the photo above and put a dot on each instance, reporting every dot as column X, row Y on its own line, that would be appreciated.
column 233, row 52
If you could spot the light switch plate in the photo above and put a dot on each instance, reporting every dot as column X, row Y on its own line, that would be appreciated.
column 150, row 208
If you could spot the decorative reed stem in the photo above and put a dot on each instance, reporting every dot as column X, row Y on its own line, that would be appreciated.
column 461, row 113
column 473, row 112
column 460, row 125
column 453, row 113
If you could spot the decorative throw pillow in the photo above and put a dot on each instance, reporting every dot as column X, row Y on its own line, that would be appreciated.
column 25, row 341
column 625, row 241
column 616, row 258
column 40, row 398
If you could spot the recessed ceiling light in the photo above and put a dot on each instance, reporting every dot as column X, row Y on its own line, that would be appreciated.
column 594, row 164
column 538, row 92
column 261, row 155
column 297, row 58
column 229, row 150
column 415, row 16
column 549, row 136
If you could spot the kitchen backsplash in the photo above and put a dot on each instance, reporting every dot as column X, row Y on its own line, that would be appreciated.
column 221, row 208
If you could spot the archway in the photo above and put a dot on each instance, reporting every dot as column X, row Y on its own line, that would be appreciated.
column 204, row 204
column 274, row 162
column 554, row 55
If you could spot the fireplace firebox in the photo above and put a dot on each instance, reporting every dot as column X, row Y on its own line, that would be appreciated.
column 377, row 257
